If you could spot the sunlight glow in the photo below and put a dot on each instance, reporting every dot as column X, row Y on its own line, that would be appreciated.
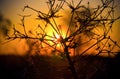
column 57, row 38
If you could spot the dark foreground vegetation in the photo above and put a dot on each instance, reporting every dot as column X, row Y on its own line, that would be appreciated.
column 44, row 67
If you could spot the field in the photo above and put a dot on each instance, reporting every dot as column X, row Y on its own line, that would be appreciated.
column 44, row 67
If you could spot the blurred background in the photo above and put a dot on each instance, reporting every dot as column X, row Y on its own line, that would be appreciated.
column 11, row 9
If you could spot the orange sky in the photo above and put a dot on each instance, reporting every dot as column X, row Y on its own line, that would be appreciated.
column 11, row 9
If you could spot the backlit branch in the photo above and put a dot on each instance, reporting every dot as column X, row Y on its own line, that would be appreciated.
column 92, row 24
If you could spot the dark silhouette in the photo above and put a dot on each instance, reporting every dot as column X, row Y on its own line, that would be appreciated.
column 41, row 67
column 5, row 25
column 87, row 26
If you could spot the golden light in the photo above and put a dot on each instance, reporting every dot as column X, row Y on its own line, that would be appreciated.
column 57, row 39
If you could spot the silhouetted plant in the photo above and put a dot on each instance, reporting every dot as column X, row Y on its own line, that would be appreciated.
column 92, row 24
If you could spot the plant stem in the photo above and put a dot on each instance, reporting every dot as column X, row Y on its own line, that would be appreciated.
column 71, row 64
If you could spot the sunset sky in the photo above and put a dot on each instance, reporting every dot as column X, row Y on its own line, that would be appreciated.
column 11, row 8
